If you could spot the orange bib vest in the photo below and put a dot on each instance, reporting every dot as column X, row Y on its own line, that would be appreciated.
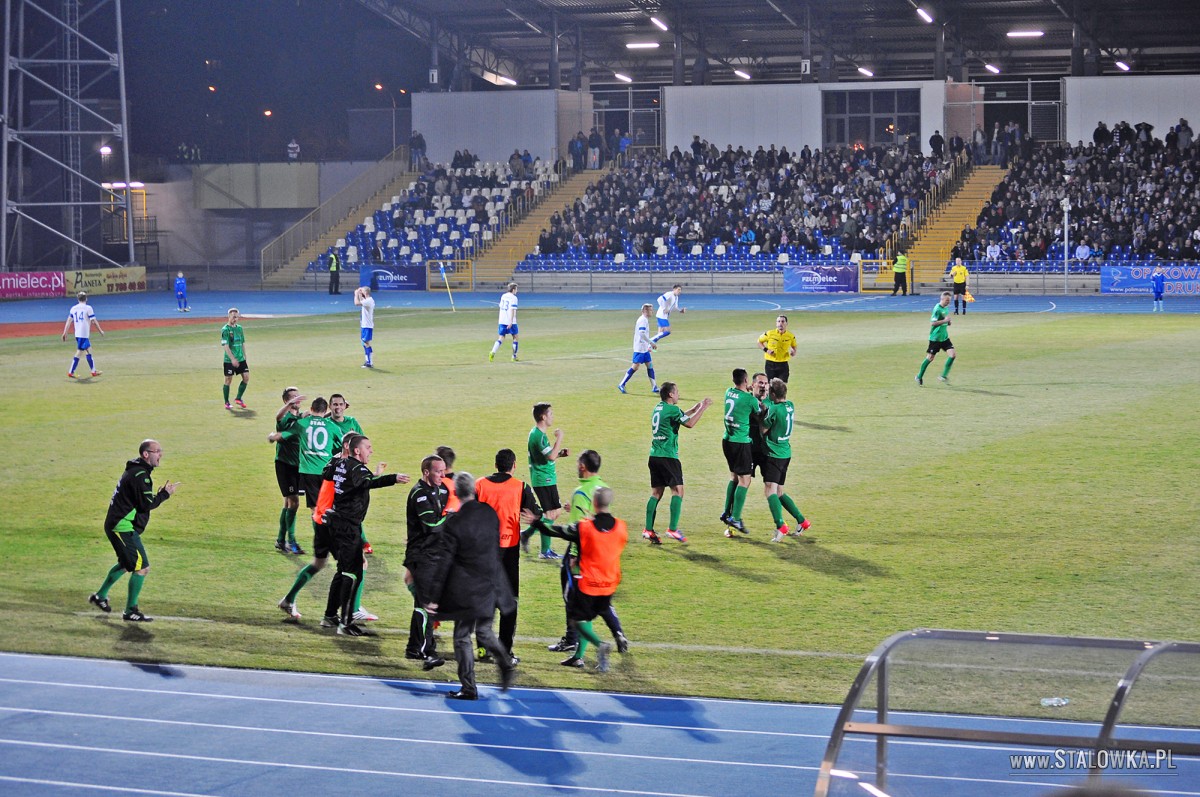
column 505, row 498
column 600, row 557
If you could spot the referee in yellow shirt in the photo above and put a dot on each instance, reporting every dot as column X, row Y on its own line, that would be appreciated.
column 958, row 277
column 778, row 346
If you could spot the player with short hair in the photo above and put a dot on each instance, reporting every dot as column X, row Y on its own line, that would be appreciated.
column 667, row 304
column 666, row 471
column 181, row 294
column 507, row 321
column 740, row 406
column 287, row 472
column 642, row 346
column 939, row 339
column 777, row 434
column 363, row 300
column 128, row 513
column 958, row 279
column 543, row 474
column 425, row 515
column 233, row 344
column 778, row 347
column 1158, row 283
column 82, row 316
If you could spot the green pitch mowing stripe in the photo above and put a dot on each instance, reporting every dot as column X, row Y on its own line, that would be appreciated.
column 1049, row 488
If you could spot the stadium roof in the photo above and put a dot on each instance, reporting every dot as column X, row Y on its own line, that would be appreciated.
column 766, row 38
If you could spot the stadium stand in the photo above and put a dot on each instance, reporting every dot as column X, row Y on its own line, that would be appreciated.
column 1133, row 198
column 737, row 210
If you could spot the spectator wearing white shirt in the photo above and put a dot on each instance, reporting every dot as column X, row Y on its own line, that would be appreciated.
column 993, row 251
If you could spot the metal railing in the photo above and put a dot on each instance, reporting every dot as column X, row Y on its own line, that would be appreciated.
column 333, row 212
column 930, row 205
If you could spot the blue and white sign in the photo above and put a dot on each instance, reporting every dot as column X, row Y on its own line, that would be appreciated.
column 1181, row 279
column 799, row 278
column 393, row 278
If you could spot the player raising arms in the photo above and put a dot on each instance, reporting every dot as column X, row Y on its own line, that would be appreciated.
column 82, row 316
column 665, row 468
column 939, row 339
column 362, row 299
column 508, row 321
column 777, row 435
column 642, row 346
column 667, row 304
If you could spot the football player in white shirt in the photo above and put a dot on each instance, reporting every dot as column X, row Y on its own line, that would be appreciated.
column 82, row 316
column 667, row 304
column 642, row 346
column 362, row 298
column 508, row 321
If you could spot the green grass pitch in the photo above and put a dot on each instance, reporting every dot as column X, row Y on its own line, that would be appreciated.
column 1052, row 488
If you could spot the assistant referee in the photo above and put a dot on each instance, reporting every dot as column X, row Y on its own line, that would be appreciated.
column 778, row 347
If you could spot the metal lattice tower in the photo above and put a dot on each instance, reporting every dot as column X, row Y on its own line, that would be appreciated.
column 63, row 100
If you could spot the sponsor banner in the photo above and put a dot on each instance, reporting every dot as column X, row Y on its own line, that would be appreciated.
column 105, row 280
column 1181, row 278
column 31, row 284
column 800, row 278
column 393, row 278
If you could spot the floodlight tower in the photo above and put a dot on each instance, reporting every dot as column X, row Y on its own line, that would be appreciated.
column 63, row 99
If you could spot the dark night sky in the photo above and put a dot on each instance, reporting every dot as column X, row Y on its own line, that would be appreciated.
column 305, row 60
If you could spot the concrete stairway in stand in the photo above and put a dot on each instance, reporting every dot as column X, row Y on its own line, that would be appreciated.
column 288, row 276
column 494, row 268
column 934, row 240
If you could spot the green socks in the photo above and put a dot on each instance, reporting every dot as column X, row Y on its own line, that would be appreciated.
column 358, row 594
column 290, row 524
column 363, row 532
column 586, row 635
column 791, row 507
column 729, row 490
column 739, row 502
column 135, row 589
column 303, row 577
column 241, row 389
column 949, row 365
column 225, row 390
column 924, row 365
column 651, row 511
column 114, row 575
column 545, row 542
column 282, row 525
column 776, row 509
column 676, row 511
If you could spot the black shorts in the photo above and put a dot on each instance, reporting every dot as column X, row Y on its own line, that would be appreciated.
column 739, row 457
column 758, row 455
column 288, row 478
column 939, row 345
column 774, row 470
column 233, row 370
column 310, row 484
column 775, row 370
column 582, row 607
column 131, row 554
column 347, row 545
column 960, row 289
column 323, row 543
column 665, row 472
column 547, row 497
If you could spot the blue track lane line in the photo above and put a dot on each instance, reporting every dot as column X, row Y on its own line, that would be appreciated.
column 70, row 726
column 273, row 304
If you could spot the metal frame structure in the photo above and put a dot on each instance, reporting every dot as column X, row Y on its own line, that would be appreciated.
column 62, row 52
column 876, row 668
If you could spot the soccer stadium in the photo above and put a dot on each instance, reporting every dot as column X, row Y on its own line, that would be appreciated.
column 637, row 397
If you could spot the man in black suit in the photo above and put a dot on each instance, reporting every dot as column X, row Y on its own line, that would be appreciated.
column 470, row 586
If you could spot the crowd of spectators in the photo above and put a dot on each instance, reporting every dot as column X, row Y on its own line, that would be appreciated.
column 770, row 198
column 1131, row 195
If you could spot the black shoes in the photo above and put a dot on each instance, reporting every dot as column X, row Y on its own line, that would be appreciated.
column 432, row 662
column 463, row 694
column 575, row 662
column 622, row 644
column 562, row 646
column 134, row 615
column 353, row 630
column 99, row 603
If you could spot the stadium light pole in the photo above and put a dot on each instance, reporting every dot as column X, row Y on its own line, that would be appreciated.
column 392, row 97
column 1066, row 208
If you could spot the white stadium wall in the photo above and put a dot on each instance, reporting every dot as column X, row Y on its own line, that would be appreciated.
column 780, row 114
column 1159, row 100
